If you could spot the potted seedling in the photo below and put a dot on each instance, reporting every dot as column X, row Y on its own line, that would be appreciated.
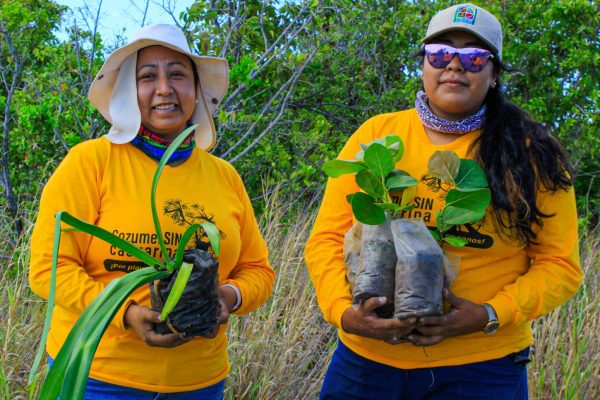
column 68, row 376
column 421, row 263
column 368, row 246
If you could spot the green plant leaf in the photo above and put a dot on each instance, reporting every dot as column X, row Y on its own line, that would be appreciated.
column 444, row 165
column 177, row 290
column 161, row 165
column 51, row 298
column 391, row 142
column 349, row 198
column 395, row 144
column 391, row 207
column 455, row 241
column 98, row 232
column 464, row 207
column 335, row 168
column 470, row 176
column 435, row 234
column 214, row 236
column 397, row 182
column 370, row 184
column 110, row 238
column 379, row 160
column 365, row 210
column 86, row 334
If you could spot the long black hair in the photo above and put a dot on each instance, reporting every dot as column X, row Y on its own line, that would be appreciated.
column 520, row 158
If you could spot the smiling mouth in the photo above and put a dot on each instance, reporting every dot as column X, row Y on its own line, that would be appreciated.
column 165, row 107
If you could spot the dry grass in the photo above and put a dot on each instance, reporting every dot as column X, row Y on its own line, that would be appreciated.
column 281, row 351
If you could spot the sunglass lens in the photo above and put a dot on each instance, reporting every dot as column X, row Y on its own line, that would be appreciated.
column 474, row 62
column 438, row 57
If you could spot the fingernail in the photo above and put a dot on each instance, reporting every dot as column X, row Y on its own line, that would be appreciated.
column 382, row 300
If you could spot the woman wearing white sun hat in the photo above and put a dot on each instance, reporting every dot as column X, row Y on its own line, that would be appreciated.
column 150, row 90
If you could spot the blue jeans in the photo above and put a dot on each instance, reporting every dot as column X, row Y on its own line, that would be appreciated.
column 352, row 377
column 98, row 390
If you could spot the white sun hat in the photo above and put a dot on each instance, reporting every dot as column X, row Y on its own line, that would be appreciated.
column 114, row 89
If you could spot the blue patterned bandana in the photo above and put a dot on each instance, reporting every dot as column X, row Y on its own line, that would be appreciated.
column 155, row 147
column 432, row 121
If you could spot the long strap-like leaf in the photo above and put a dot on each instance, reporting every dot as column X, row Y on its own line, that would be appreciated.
column 69, row 373
column 161, row 165
column 102, row 234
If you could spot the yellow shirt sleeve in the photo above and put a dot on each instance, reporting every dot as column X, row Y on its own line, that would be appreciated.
column 71, row 188
column 555, row 272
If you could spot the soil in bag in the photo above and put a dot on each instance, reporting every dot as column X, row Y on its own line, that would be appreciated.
column 377, row 264
column 419, row 270
column 196, row 313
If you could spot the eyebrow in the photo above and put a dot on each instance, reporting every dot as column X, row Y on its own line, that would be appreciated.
column 169, row 64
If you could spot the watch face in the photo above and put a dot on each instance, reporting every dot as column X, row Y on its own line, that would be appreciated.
column 491, row 327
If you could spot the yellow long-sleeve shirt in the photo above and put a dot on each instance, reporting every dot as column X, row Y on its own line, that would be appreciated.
column 109, row 185
column 521, row 283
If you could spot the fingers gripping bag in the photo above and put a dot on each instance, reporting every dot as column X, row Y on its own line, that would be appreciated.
column 419, row 274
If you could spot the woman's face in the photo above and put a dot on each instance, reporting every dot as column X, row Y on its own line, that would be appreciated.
column 453, row 92
column 166, row 91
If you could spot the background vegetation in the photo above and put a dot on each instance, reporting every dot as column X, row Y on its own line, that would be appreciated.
column 304, row 75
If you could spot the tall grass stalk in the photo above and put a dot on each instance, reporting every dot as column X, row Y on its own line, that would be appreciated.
column 281, row 351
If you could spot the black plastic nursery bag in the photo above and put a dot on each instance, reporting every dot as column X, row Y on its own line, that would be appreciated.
column 196, row 313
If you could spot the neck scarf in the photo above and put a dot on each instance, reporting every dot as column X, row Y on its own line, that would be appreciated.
column 155, row 147
column 432, row 121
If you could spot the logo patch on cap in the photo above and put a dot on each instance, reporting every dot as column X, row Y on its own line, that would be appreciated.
column 465, row 14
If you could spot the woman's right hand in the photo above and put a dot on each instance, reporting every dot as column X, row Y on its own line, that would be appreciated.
column 142, row 320
column 361, row 319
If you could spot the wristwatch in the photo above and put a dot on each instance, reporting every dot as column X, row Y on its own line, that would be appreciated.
column 492, row 324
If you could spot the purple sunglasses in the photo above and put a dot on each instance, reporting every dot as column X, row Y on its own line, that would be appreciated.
column 472, row 59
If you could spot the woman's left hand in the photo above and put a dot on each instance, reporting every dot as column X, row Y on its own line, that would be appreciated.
column 464, row 317
column 227, row 299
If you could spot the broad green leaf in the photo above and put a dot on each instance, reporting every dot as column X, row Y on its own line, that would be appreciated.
column 365, row 210
column 177, row 290
column 335, row 168
column 444, row 165
column 391, row 207
column 395, row 144
column 349, row 198
column 379, row 160
column 435, row 234
column 370, row 184
column 470, row 175
column 464, row 207
column 455, row 241
column 161, row 165
column 391, row 142
column 397, row 182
